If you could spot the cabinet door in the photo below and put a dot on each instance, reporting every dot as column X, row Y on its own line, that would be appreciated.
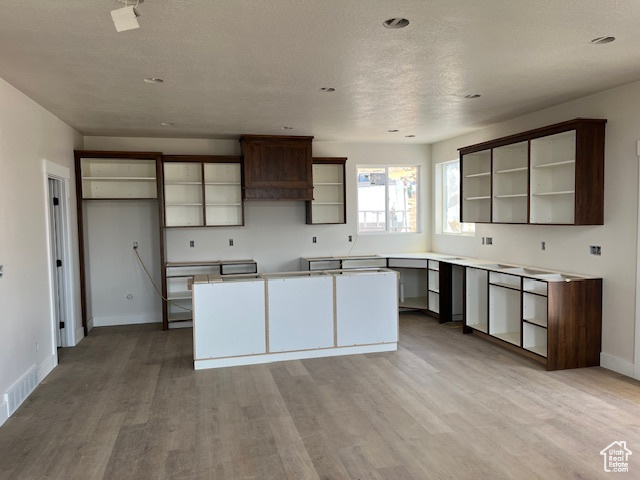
column 183, row 194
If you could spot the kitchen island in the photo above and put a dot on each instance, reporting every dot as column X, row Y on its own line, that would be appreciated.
column 261, row 318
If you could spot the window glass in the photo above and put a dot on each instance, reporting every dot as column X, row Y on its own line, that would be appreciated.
column 388, row 199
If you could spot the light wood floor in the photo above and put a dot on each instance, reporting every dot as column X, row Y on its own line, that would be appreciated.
column 126, row 403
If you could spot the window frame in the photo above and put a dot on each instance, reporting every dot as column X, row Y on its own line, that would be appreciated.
column 418, row 196
column 440, row 216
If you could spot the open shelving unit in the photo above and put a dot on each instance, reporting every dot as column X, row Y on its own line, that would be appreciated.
column 118, row 178
column 476, row 186
column 510, row 183
column 183, row 194
column 179, row 279
column 505, row 320
column 476, row 301
column 549, row 176
column 328, row 204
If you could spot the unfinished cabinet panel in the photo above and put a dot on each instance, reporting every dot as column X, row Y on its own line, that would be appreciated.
column 475, row 176
column 277, row 167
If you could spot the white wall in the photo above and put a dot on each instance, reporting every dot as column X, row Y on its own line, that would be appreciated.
column 275, row 233
column 567, row 248
column 113, row 272
column 28, row 136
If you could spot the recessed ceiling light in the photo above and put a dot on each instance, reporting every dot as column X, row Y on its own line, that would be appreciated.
column 396, row 22
column 287, row 128
column 473, row 95
column 153, row 80
column 602, row 40
column 327, row 89
column 409, row 136
column 393, row 131
column 167, row 124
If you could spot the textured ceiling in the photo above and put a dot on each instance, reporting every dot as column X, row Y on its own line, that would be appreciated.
column 254, row 66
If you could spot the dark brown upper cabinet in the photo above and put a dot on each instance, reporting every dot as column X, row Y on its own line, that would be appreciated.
column 548, row 176
column 277, row 167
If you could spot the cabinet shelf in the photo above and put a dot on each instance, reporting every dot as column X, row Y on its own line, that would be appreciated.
column 222, row 183
column 505, row 285
column 180, row 317
column 554, row 164
column 182, row 183
column 476, row 175
column 511, row 195
column 484, row 197
column 512, row 170
column 546, row 194
column 179, row 295
column 326, row 184
column 120, row 179
column 536, row 321
column 482, row 326
column 183, row 204
column 421, row 303
column 511, row 337
column 327, row 203
column 223, row 204
column 538, row 349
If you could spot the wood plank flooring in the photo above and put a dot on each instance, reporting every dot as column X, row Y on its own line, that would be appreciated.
column 127, row 404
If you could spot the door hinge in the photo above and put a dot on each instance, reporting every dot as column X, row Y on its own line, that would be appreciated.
column 58, row 263
column 61, row 324
column 56, row 201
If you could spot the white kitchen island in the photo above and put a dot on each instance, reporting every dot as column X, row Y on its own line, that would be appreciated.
column 261, row 318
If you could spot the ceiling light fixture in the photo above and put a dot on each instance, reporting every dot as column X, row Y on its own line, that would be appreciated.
column 126, row 18
column 409, row 136
column 167, row 124
column 153, row 80
column 287, row 128
column 396, row 23
column 393, row 131
column 473, row 95
column 602, row 40
column 327, row 89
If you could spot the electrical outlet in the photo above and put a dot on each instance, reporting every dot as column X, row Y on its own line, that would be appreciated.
column 1, row 271
column 351, row 238
column 483, row 240
column 595, row 249
column 231, row 242
column 543, row 245
column 192, row 243
column 489, row 240
column 135, row 245
column 314, row 240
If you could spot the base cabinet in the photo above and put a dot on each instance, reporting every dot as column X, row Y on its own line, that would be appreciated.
column 556, row 320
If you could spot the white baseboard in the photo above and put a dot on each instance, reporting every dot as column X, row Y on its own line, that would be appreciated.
column 279, row 357
column 89, row 324
column 112, row 320
column 46, row 367
column 4, row 412
column 79, row 336
column 616, row 364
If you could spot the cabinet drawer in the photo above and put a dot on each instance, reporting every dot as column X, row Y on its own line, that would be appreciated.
column 504, row 280
column 535, row 286
column 434, row 265
column 408, row 263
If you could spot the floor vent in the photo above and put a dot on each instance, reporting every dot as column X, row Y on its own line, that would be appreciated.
column 19, row 392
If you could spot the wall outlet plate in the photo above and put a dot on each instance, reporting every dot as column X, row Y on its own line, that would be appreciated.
column 1, row 271
column 489, row 240
column 192, row 243
column 314, row 240
column 231, row 242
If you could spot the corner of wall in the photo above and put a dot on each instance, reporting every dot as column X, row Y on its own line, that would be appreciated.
column 617, row 364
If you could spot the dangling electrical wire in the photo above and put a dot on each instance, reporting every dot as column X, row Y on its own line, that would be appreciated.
column 155, row 286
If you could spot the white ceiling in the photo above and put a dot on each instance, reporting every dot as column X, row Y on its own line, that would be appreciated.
column 254, row 66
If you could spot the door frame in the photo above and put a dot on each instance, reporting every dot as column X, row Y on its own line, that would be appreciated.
column 63, row 175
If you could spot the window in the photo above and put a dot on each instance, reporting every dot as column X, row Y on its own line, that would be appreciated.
column 449, row 175
column 388, row 199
